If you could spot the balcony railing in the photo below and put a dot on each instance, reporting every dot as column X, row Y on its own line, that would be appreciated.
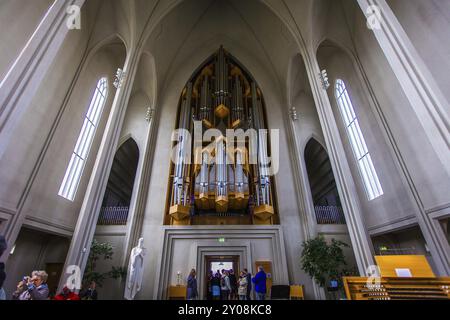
column 329, row 215
column 113, row 216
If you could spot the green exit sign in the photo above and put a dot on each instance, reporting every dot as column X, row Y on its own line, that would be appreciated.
column 221, row 240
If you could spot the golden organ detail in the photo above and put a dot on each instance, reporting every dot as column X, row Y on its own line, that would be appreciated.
column 215, row 178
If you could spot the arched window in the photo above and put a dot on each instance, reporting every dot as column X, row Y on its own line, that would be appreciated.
column 80, row 154
column 362, row 155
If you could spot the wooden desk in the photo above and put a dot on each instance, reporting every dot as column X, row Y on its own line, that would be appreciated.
column 177, row 293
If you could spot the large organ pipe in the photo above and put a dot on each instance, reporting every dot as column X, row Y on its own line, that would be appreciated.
column 204, row 176
column 263, row 184
column 237, row 106
column 205, row 106
column 221, row 89
column 180, row 183
column 239, row 173
column 221, row 170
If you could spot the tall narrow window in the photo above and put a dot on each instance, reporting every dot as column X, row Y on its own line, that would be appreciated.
column 362, row 155
column 80, row 154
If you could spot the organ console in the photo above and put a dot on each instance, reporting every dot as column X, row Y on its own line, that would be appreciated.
column 221, row 180
column 420, row 284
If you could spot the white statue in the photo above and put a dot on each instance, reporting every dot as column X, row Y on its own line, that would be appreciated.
column 135, row 271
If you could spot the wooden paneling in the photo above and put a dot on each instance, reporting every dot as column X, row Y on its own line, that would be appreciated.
column 418, row 265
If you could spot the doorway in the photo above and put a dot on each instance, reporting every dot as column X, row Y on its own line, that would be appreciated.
column 54, row 271
column 219, row 263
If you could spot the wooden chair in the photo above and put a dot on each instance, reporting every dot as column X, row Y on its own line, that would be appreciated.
column 297, row 293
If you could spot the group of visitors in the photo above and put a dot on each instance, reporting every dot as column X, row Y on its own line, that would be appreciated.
column 224, row 285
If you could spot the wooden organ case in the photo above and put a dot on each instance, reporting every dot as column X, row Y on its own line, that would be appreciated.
column 216, row 179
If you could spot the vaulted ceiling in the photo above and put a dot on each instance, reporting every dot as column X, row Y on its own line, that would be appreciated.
column 263, row 34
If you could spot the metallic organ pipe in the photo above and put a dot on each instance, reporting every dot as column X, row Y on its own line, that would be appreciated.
column 205, row 102
column 180, row 184
column 221, row 169
column 221, row 78
column 238, row 107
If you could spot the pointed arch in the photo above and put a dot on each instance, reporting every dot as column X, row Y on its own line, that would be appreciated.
column 324, row 191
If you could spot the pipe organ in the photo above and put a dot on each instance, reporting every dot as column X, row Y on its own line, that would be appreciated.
column 216, row 178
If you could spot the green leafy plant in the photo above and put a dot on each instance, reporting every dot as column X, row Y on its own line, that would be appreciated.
column 324, row 261
column 101, row 251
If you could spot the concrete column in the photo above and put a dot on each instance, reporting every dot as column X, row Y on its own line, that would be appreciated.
column 429, row 104
column 344, row 181
column 22, row 81
column 134, row 227
column 421, row 89
column 303, row 193
column 90, row 210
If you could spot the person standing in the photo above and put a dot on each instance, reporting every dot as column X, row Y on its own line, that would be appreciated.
column 215, row 284
column 260, row 280
column 243, row 284
column 225, row 285
column 233, row 285
column 37, row 288
column 90, row 293
column 192, row 292
column 248, row 275
column 66, row 295
column 209, row 280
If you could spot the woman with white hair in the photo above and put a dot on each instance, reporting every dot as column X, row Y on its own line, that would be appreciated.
column 37, row 288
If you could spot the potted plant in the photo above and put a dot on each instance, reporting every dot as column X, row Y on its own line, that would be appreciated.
column 325, row 262
column 102, row 251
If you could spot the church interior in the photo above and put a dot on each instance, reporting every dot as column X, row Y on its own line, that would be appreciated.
column 117, row 122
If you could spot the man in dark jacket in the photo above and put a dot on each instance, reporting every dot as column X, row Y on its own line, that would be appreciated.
column 248, row 275
column 260, row 280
